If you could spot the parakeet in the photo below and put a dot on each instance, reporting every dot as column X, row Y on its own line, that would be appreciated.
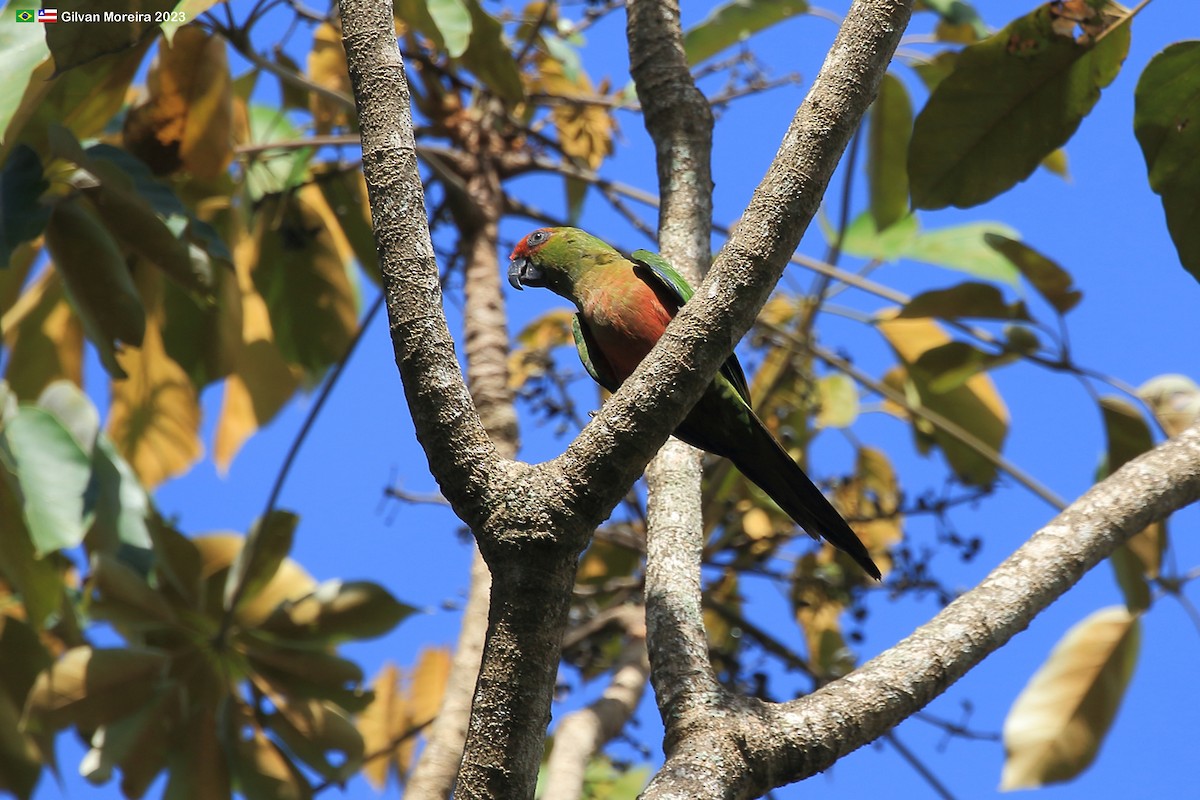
column 624, row 306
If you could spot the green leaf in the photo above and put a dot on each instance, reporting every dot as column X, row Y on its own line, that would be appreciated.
column 24, row 48
column 22, row 217
column 1049, row 279
column 1166, row 121
column 887, row 144
column 949, row 366
column 838, row 401
column 964, row 248
column 863, row 239
column 315, row 729
column 453, row 21
column 36, row 580
column 1056, row 726
column 957, row 12
column 125, row 599
column 337, row 611
column 97, row 280
column 302, row 274
column 734, row 22
column 490, row 58
column 266, row 547
column 51, row 473
column 1012, row 100
column 966, row 300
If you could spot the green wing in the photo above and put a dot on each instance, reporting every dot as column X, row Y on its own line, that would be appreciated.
column 673, row 282
column 593, row 360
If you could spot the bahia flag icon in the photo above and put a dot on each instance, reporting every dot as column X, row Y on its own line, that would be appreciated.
column 47, row 15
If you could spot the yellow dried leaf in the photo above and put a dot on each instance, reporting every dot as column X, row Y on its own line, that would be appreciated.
column 44, row 339
column 536, row 340
column 584, row 128
column 1055, row 727
column 382, row 724
column 154, row 417
column 327, row 68
column 262, row 381
column 429, row 684
column 187, row 118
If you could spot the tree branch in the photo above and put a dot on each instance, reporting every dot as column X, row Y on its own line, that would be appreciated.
column 745, row 747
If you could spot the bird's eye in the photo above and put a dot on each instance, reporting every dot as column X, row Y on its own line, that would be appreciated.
column 537, row 237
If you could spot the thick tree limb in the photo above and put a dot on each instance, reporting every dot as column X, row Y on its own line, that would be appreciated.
column 532, row 521
column 679, row 120
column 741, row 748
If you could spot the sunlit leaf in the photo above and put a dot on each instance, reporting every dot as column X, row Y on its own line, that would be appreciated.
column 585, row 129
column 453, row 21
column 44, row 338
column 890, row 127
column 975, row 406
column 1011, row 100
column 51, row 472
column 89, row 687
column 734, row 22
column 1054, row 729
column 1166, row 110
column 327, row 68
column 964, row 248
column 186, row 121
column 262, row 380
column 384, row 726
column 24, row 48
column 154, row 417
column 838, row 398
column 429, row 679
column 1174, row 399
column 1056, row 163
column 83, row 100
column 529, row 358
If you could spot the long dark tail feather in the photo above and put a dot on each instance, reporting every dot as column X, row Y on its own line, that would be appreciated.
column 767, row 464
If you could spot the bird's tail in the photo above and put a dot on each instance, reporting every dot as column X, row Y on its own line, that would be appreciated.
column 771, row 468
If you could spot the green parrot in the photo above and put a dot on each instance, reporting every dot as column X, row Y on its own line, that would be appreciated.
column 624, row 306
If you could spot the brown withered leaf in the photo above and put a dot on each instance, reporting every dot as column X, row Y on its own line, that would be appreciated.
column 44, row 339
column 327, row 68
column 187, row 118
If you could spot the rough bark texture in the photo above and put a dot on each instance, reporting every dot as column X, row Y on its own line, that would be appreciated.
column 486, row 337
column 679, row 120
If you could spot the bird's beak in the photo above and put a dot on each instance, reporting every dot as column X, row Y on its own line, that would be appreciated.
column 522, row 273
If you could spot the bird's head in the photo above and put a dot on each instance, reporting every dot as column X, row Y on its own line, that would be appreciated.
column 558, row 259
column 529, row 262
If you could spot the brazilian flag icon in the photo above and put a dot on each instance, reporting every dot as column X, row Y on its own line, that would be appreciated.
column 26, row 15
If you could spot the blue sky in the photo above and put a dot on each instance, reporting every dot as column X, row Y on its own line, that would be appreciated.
column 1137, row 320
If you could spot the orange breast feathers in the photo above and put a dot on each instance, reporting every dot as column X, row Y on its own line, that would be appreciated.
column 627, row 324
